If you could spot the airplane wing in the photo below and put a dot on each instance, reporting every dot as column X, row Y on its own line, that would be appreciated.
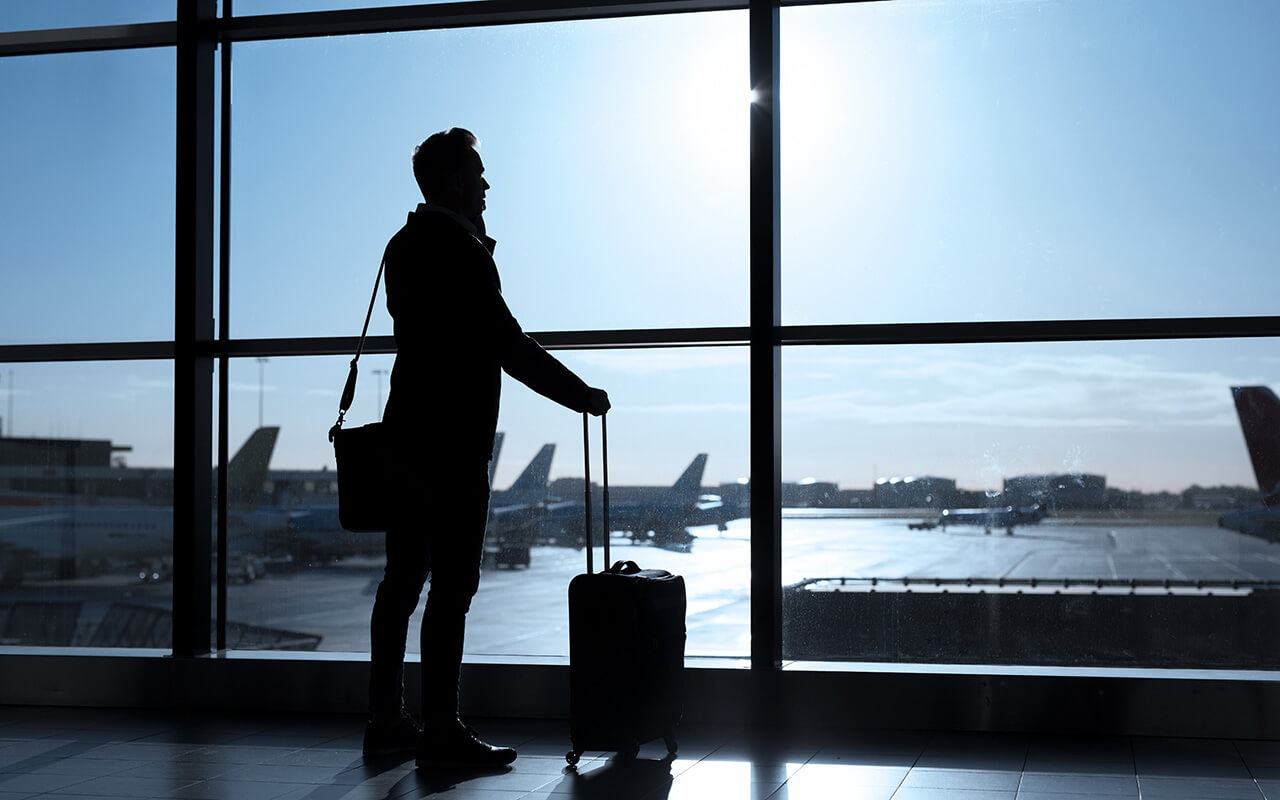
column 18, row 522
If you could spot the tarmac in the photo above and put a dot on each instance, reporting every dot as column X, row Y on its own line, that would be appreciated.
column 522, row 612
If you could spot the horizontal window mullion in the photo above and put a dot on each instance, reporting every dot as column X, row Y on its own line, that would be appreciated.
column 1030, row 331
column 784, row 335
column 78, row 40
column 451, row 15
column 86, row 351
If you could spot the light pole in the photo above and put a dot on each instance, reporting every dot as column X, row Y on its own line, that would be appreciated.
column 379, row 373
column 261, row 361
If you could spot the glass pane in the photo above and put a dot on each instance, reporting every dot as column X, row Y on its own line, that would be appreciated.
column 87, row 238
column 619, row 181
column 21, row 15
column 949, row 162
column 247, row 7
column 86, row 504
column 1066, row 503
column 315, row 588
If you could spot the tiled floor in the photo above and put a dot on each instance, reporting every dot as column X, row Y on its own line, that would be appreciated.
column 72, row 753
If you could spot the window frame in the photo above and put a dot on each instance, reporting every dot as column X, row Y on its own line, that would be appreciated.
column 204, row 43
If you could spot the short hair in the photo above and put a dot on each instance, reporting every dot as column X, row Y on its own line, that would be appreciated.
column 441, row 156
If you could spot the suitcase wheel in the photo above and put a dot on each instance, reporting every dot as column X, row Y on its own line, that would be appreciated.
column 572, row 757
column 670, row 741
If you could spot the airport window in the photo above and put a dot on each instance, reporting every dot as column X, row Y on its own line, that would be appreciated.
column 992, row 503
column 618, row 194
column 88, row 162
column 1032, row 161
column 679, row 501
column 86, row 505
column 1010, row 182
column 20, row 15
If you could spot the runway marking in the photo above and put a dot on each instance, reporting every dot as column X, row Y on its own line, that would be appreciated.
column 1177, row 573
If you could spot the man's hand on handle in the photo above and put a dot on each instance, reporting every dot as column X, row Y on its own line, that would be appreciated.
column 597, row 402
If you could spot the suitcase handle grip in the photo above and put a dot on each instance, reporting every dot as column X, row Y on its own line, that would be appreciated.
column 586, row 471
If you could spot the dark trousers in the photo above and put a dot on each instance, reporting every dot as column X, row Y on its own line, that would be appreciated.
column 439, row 530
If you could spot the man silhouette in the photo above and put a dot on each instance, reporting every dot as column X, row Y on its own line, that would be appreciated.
column 454, row 336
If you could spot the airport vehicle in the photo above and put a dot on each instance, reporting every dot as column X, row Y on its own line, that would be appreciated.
column 664, row 520
column 1259, row 413
column 1007, row 517
column 71, row 538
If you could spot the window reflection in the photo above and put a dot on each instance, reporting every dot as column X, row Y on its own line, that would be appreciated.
column 679, row 501
column 1064, row 503
column 86, row 504
column 946, row 161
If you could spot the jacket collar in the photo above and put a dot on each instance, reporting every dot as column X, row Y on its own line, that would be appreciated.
column 459, row 220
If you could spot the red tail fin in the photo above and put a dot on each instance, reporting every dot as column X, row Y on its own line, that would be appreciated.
column 1259, row 412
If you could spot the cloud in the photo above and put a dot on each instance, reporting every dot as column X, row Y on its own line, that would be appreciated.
column 655, row 361
column 232, row 386
column 1093, row 391
column 691, row 408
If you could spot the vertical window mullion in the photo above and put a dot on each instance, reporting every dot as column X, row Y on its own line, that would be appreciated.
column 765, row 355
column 193, row 328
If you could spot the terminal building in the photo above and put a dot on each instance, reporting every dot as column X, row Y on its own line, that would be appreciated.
column 915, row 491
column 1060, row 492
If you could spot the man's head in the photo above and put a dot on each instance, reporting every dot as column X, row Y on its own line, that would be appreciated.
column 450, row 173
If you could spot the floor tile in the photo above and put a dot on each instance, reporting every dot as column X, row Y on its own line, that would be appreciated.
column 219, row 789
column 36, row 783
column 1005, row 781
column 1069, row 796
column 112, row 786
column 811, row 776
column 1198, row 789
column 929, row 793
column 1076, row 783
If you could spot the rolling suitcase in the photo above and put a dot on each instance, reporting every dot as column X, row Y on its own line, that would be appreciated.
column 626, row 646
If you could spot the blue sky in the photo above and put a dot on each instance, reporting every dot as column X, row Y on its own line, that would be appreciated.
column 942, row 161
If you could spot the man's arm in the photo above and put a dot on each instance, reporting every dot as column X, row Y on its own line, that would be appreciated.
column 526, row 361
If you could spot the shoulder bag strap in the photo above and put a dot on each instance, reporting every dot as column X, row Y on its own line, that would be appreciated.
column 349, row 391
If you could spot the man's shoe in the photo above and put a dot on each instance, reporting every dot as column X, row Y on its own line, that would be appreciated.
column 389, row 739
column 461, row 747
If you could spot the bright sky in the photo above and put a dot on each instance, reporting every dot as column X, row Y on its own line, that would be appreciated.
column 942, row 161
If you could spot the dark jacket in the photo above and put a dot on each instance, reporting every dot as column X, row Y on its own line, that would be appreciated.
column 454, row 335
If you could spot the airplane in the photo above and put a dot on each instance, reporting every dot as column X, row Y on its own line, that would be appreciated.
column 713, row 510
column 1259, row 413
column 1007, row 517
column 663, row 520
column 79, row 538
column 515, row 515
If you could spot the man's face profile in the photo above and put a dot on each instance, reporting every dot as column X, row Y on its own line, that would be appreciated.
column 471, row 187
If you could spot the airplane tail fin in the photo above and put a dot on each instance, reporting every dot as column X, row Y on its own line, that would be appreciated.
column 688, row 487
column 247, row 469
column 1259, row 412
column 497, row 449
column 531, row 486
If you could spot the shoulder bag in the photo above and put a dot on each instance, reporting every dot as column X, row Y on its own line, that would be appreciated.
column 365, row 470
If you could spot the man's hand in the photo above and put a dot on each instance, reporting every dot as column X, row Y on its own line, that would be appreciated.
column 597, row 402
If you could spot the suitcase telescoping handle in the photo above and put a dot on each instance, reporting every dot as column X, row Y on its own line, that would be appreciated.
column 586, row 468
